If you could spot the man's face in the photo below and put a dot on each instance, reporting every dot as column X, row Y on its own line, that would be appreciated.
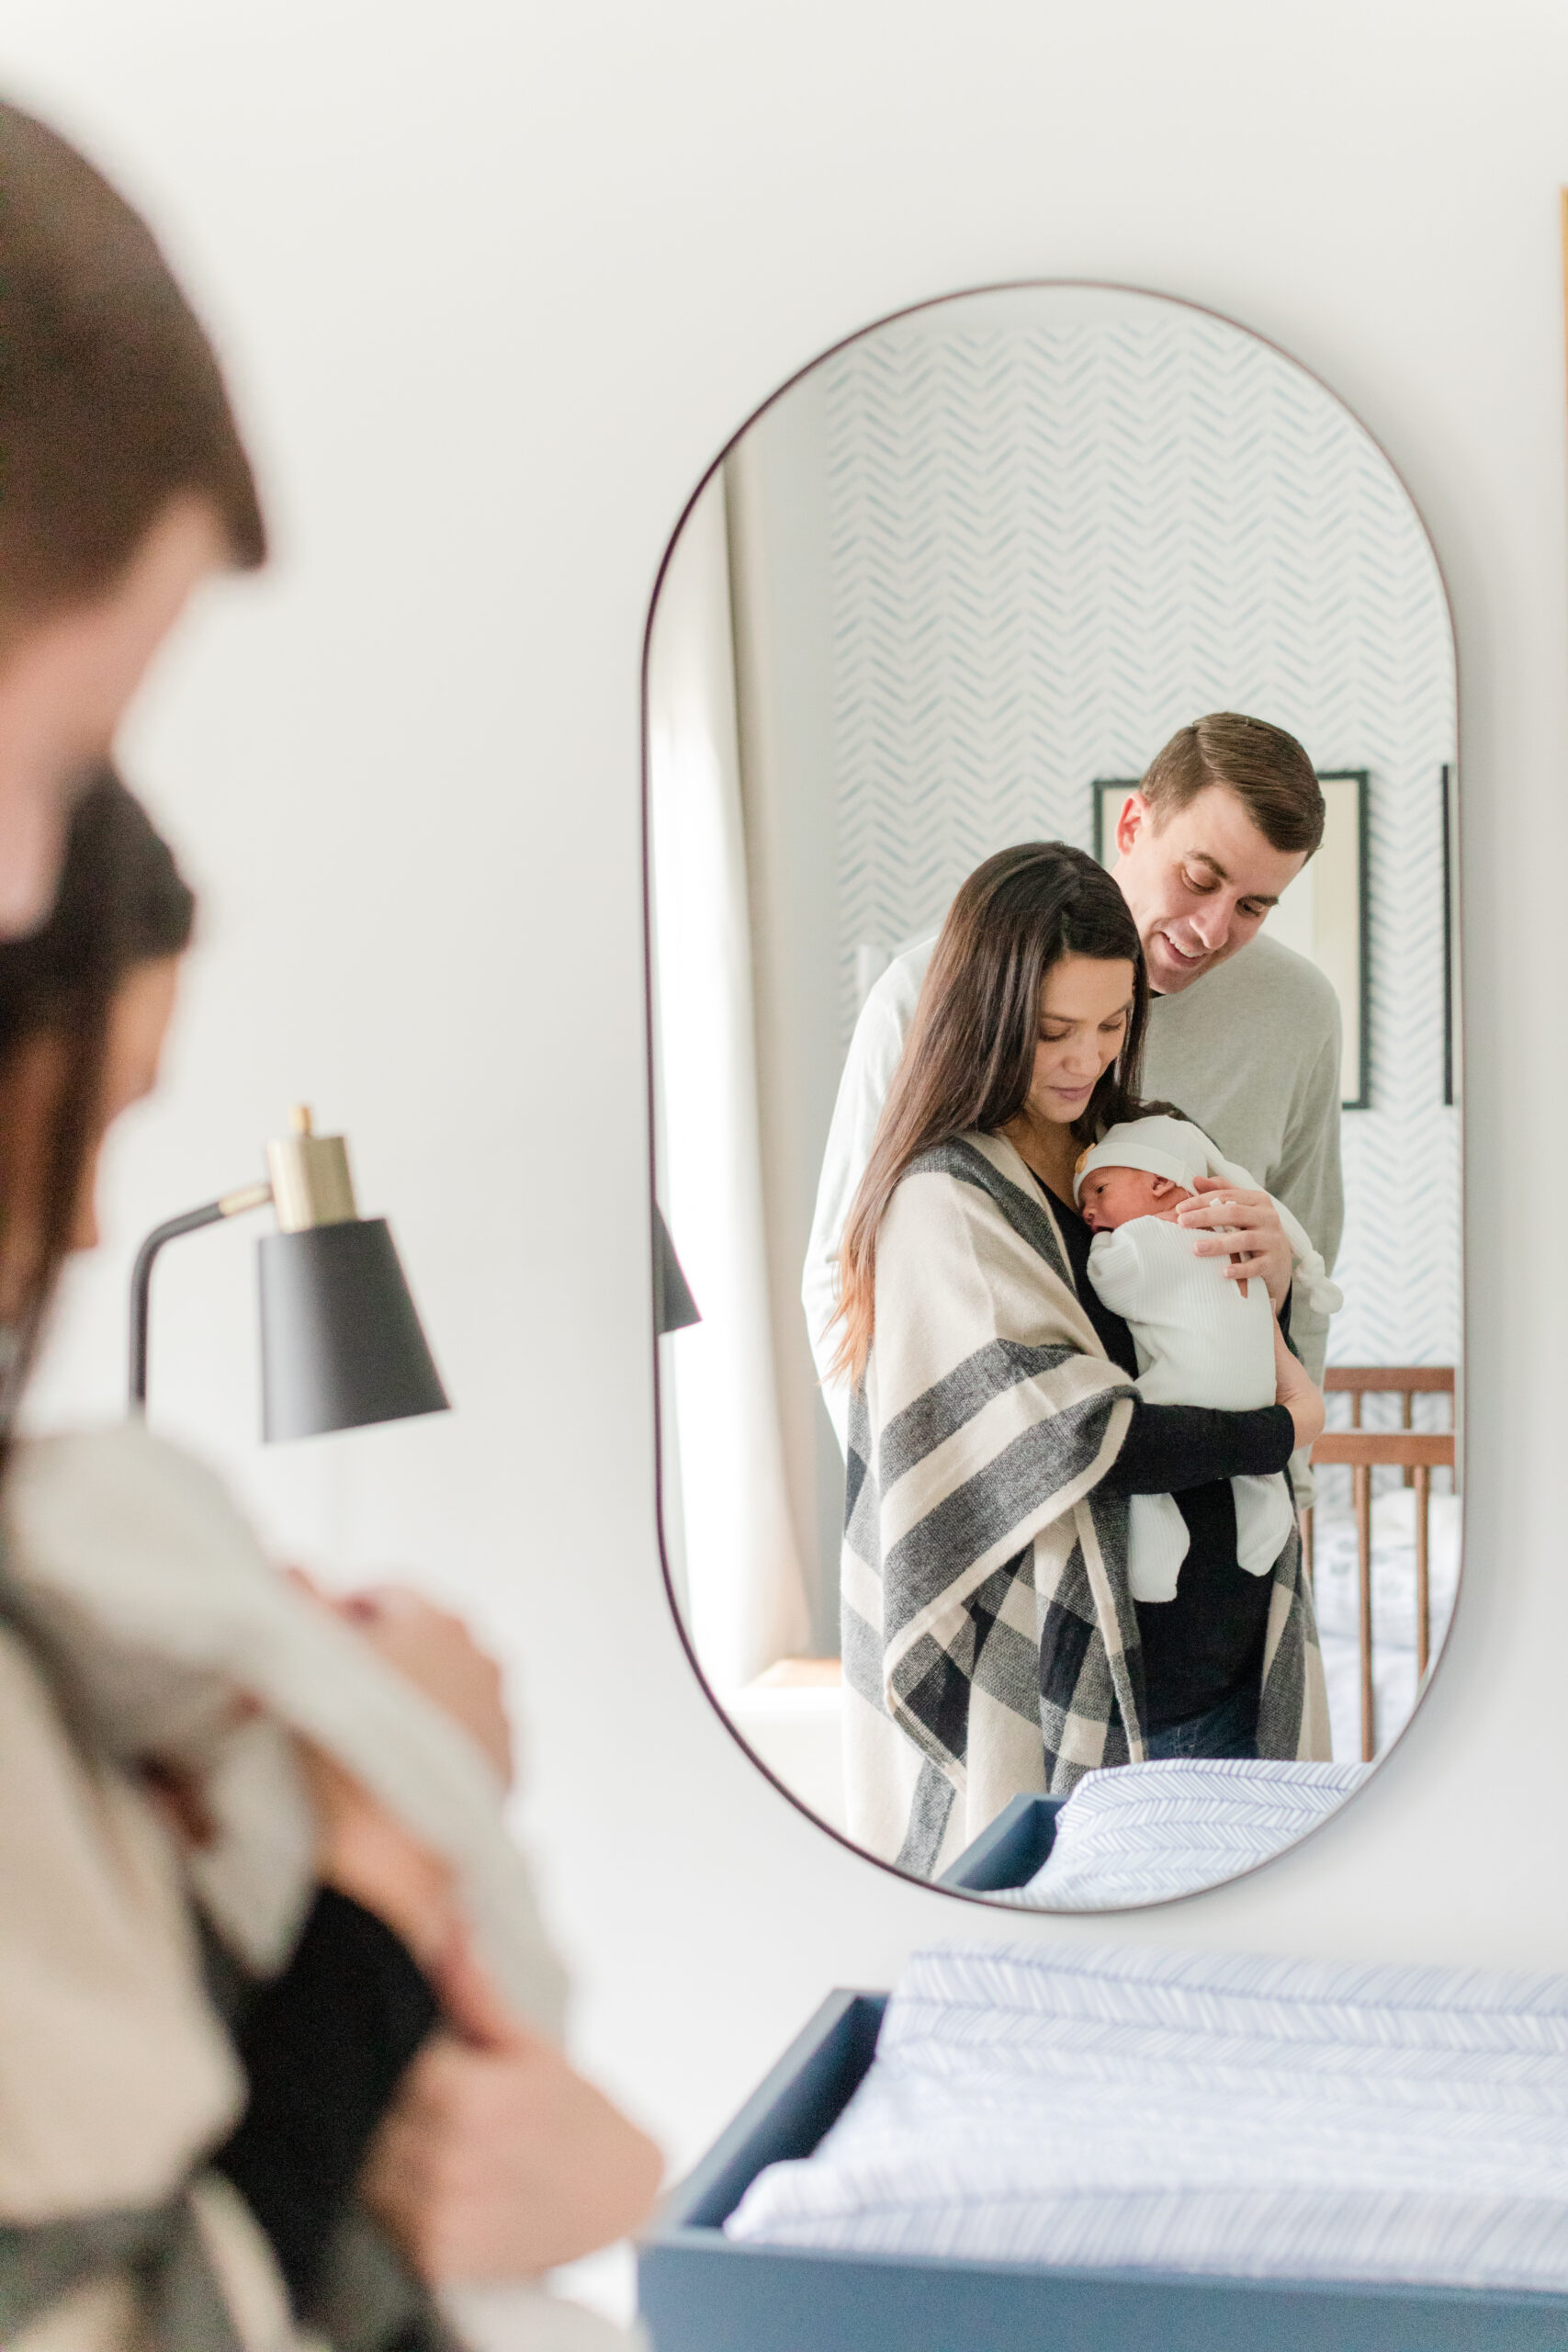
column 64, row 684
column 1199, row 886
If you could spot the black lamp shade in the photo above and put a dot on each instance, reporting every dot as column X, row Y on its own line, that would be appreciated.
column 341, row 1342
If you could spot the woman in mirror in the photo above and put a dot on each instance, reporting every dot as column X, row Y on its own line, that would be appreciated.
column 991, row 1641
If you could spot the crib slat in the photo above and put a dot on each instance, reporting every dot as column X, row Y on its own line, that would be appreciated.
column 1416, row 1453
column 1434, row 1447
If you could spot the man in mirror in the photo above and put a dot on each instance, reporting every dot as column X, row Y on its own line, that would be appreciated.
column 1243, row 1033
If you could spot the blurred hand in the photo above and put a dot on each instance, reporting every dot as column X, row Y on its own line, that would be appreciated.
column 497, row 2160
column 1257, row 1245
column 367, row 1854
column 1297, row 1391
column 436, row 1652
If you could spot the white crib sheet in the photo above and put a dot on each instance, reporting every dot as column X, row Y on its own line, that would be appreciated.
column 1200, row 2112
column 1142, row 1833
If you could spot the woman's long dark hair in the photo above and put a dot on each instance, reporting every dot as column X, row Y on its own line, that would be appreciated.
column 121, row 902
column 969, row 1060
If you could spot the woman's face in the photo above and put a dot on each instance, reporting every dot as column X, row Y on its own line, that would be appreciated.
column 1085, row 1006
column 139, row 1021
column 65, row 683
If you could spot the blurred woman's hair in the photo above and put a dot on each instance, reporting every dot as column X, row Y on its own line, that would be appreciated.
column 121, row 902
column 969, row 1059
column 112, row 404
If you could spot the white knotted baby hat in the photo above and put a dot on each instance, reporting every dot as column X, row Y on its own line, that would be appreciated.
column 1177, row 1150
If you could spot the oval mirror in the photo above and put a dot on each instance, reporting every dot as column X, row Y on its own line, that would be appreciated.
column 1050, row 734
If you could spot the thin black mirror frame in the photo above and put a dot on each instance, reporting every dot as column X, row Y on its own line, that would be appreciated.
column 1454, row 1020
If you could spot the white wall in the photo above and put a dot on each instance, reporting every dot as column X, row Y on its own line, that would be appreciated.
column 497, row 282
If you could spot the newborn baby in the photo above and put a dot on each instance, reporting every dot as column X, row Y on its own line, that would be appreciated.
column 1201, row 1339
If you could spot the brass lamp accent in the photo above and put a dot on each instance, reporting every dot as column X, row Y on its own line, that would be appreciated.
column 342, row 1344
column 310, row 1182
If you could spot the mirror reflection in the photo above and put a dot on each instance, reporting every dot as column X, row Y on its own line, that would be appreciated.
column 1051, row 721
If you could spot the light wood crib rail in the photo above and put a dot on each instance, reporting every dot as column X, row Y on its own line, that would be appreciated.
column 1417, row 1453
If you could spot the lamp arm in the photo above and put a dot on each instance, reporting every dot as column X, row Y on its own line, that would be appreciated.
column 236, row 1203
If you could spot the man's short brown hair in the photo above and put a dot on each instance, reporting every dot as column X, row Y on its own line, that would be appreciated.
column 111, row 401
column 1265, row 769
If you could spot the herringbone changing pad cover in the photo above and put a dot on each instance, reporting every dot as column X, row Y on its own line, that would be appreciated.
column 1141, row 1832
column 1196, row 2111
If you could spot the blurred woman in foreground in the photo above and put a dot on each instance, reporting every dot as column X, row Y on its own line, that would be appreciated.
column 194, row 1752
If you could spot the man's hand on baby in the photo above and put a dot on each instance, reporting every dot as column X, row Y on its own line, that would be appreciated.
column 1256, row 1243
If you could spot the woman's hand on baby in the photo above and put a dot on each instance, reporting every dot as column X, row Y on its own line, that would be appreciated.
column 436, row 1652
column 1255, row 1245
column 1299, row 1394
column 497, row 2160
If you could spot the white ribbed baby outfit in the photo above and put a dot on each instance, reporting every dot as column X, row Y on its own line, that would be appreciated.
column 1198, row 1341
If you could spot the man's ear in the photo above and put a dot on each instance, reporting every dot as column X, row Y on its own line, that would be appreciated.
column 1137, row 817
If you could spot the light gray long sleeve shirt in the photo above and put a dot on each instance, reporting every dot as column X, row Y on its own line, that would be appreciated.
column 1250, row 1052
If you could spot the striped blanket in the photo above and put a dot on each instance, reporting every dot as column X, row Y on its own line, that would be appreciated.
column 1201, row 2112
column 990, row 1644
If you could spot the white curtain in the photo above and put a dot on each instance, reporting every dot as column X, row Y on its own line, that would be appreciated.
column 746, row 1594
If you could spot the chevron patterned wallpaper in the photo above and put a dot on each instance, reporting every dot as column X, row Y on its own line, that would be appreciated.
column 1052, row 545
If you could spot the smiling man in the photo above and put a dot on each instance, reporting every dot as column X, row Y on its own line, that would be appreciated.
column 1243, row 1033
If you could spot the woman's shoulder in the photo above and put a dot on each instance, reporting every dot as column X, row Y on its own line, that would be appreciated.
column 969, row 1245
column 975, row 1190
column 973, row 1170
column 121, row 1462
column 114, row 1510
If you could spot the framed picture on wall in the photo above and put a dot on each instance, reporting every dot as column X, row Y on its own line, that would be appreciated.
column 1325, row 913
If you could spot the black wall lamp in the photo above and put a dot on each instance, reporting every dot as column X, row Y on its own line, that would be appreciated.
column 342, row 1344
column 674, row 1308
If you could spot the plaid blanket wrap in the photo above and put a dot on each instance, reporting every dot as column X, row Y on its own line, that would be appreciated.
column 990, row 1643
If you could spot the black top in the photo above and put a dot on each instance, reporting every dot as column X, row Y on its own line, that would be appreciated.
column 324, row 2046
column 1207, row 1642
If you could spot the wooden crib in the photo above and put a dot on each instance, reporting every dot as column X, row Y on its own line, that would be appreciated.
column 1417, row 1453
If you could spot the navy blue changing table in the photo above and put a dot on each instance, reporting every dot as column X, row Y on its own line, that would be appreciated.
column 698, row 2293
column 1009, row 1850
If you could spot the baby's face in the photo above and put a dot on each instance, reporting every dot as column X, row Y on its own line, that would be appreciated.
column 1111, row 1196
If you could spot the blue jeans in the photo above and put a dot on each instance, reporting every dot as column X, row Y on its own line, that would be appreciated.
column 1229, row 1729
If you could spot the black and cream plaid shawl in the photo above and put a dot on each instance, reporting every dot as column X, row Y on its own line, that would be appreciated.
column 990, row 1643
